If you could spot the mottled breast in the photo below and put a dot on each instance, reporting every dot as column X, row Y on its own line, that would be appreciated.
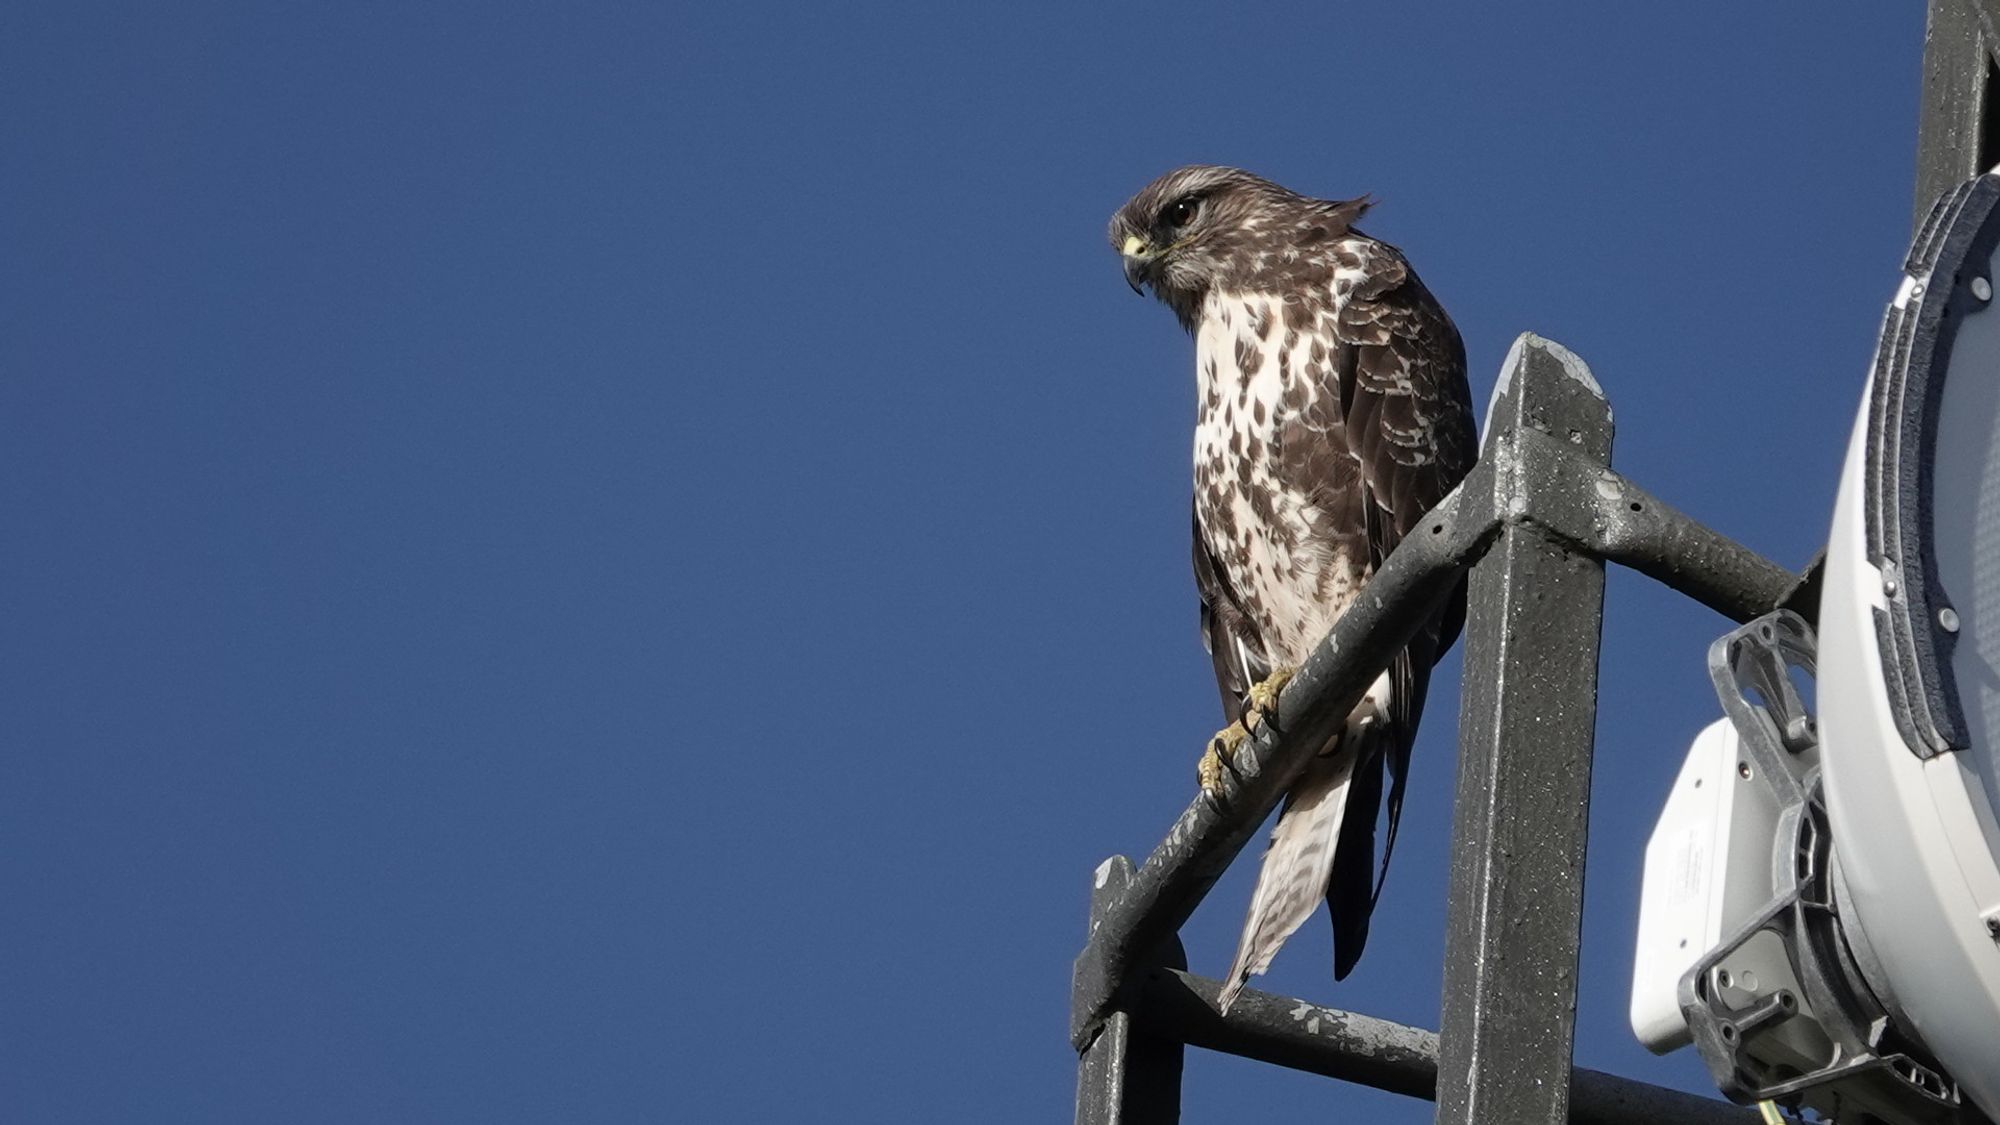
column 1277, row 489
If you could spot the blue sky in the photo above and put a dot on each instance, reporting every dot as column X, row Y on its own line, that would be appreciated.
column 625, row 563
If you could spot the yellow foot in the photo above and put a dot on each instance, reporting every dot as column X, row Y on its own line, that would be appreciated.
column 1215, row 760
column 1263, row 698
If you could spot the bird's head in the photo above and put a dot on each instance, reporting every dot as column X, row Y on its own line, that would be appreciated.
column 1206, row 225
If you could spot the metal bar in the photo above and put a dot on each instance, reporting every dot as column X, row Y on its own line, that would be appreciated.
column 1127, row 1078
column 1129, row 1075
column 1290, row 1033
column 1535, row 611
column 1413, row 580
column 1620, row 522
column 1376, row 1052
column 1640, row 531
column 1954, row 141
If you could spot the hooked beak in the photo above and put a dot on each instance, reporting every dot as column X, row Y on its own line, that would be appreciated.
column 1135, row 272
column 1138, row 259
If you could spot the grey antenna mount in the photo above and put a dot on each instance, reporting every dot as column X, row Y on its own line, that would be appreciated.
column 1780, row 1009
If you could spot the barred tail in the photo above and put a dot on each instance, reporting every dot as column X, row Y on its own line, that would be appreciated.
column 1297, row 867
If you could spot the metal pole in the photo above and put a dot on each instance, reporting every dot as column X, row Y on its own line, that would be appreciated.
column 1534, row 612
column 1127, row 1076
column 1635, row 529
column 1376, row 1052
column 1955, row 121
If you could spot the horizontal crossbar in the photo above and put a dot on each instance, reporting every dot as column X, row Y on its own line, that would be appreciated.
column 1375, row 1052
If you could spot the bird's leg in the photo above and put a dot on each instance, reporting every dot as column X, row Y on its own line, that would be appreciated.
column 1215, row 759
column 1263, row 698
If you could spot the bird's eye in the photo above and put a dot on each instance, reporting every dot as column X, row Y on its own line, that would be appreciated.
column 1179, row 213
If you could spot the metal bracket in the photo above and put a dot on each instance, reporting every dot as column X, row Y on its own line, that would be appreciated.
column 1779, row 1010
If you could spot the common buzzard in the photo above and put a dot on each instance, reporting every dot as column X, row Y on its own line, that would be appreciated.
column 1333, row 413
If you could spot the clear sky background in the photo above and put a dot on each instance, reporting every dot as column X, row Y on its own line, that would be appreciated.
column 625, row 562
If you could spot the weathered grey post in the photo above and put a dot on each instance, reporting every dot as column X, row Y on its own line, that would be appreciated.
column 1956, row 120
column 1529, row 708
column 1126, row 1076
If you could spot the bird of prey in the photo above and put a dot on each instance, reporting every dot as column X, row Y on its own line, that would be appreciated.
column 1333, row 413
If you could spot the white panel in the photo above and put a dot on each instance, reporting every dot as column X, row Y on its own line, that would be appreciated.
column 1966, row 522
column 1897, row 844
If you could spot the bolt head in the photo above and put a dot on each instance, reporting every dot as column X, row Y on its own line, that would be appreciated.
column 1948, row 619
column 1982, row 289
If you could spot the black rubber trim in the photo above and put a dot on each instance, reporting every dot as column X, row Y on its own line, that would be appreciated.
column 1911, row 362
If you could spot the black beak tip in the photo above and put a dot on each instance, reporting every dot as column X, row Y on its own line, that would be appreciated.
column 1135, row 272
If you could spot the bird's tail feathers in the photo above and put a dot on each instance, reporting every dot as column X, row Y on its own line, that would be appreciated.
column 1354, row 883
column 1296, row 867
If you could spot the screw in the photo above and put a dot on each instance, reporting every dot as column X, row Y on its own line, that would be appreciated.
column 1889, row 587
column 1982, row 289
column 1948, row 619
